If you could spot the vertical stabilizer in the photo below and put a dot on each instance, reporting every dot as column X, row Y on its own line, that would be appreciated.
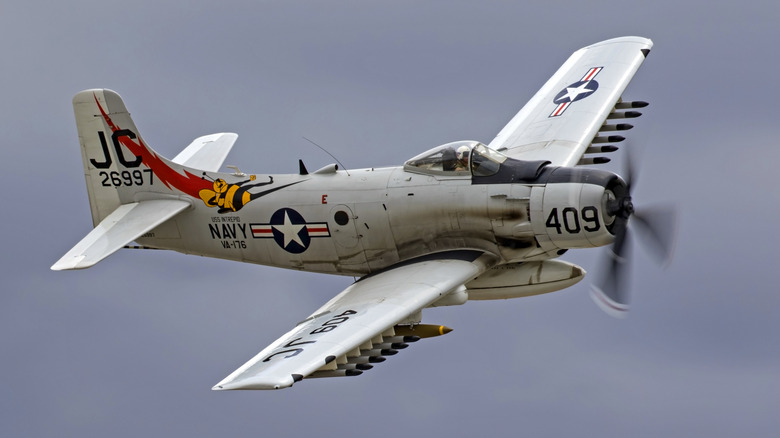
column 119, row 167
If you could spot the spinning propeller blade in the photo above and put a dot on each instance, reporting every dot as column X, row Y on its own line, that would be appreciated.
column 656, row 228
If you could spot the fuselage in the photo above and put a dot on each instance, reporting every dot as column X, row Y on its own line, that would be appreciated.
column 338, row 223
column 365, row 220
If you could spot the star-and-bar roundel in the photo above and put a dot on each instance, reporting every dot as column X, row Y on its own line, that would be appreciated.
column 576, row 91
column 290, row 230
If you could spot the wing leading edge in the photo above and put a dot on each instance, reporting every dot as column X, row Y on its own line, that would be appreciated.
column 356, row 323
column 561, row 120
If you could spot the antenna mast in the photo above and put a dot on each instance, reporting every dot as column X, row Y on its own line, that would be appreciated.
column 331, row 155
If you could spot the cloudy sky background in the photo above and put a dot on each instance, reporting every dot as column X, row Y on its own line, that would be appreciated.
column 132, row 346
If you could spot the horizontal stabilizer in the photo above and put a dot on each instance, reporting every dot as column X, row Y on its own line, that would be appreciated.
column 207, row 152
column 122, row 226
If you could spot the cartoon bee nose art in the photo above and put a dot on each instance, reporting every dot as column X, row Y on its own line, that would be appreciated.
column 232, row 197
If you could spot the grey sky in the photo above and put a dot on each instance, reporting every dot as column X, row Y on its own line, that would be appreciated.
column 133, row 345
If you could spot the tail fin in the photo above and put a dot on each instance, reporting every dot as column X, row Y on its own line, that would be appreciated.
column 104, row 164
column 118, row 165
column 132, row 190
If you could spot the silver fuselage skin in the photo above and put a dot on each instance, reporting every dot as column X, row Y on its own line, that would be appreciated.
column 362, row 221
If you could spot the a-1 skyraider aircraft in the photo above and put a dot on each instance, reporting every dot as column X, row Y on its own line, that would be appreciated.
column 463, row 221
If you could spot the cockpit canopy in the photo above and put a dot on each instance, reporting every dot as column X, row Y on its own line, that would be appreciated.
column 460, row 158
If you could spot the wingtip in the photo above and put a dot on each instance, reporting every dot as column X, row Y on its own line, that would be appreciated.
column 626, row 39
column 254, row 383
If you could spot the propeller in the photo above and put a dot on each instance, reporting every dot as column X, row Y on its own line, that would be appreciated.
column 655, row 226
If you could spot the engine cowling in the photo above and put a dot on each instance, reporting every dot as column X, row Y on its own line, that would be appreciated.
column 573, row 208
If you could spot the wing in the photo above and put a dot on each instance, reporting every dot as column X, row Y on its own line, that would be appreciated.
column 357, row 324
column 119, row 228
column 207, row 152
column 562, row 119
